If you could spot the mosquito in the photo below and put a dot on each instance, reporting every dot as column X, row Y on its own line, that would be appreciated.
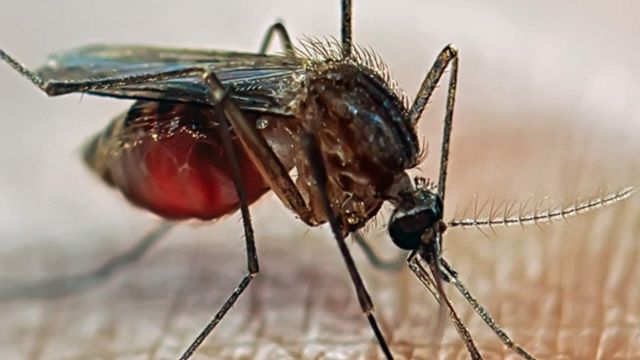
column 212, row 131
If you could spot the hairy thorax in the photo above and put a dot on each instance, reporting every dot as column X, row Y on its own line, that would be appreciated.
column 364, row 140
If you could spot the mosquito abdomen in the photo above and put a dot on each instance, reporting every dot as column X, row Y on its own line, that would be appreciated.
column 169, row 158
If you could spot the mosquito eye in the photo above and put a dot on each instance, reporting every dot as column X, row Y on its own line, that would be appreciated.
column 407, row 227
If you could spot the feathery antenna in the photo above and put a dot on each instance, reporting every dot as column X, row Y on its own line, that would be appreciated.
column 537, row 216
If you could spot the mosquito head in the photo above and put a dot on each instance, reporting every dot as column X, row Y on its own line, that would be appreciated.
column 417, row 219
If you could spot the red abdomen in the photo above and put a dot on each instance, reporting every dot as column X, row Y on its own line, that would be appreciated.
column 169, row 158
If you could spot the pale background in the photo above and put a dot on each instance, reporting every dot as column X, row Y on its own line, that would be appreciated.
column 549, row 103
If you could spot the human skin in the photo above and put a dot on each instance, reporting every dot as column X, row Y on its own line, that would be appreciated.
column 542, row 108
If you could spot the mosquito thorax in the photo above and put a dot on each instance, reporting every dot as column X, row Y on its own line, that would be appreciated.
column 361, row 128
column 417, row 219
column 372, row 115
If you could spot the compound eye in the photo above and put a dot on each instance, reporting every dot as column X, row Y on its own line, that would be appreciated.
column 408, row 224
column 406, row 229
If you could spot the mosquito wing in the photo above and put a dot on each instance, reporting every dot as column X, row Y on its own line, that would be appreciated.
column 258, row 82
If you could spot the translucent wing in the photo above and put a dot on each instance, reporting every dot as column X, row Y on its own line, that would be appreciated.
column 258, row 82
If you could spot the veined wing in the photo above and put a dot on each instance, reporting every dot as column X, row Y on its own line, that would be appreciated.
column 258, row 82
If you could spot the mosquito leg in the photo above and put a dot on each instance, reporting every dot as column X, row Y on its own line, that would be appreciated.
column 375, row 260
column 67, row 285
column 346, row 29
column 253, row 268
column 431, row 276
column 448, row 55
column 457, row 322
column 53, row 88
column 482, row 312
column 320, row 175
column 277, row 28
column 17, row 66
column 270, row 167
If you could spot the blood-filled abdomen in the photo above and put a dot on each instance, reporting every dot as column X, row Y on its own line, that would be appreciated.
column 169, row 158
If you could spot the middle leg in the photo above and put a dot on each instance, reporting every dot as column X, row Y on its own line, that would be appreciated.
column 252, row 257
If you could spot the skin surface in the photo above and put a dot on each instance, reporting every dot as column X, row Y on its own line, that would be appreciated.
column 548, row 104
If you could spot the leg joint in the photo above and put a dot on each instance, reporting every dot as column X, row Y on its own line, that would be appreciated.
column 253, row 267
column 218, row 92
column 451, row 51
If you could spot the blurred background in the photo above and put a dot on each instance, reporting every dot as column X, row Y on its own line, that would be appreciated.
column 548, row 104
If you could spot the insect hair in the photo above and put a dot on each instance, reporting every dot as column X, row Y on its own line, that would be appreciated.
column 329, row 49
column 504, row 213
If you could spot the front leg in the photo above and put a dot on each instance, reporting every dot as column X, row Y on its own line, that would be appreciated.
column 55, row 88
column 449, row 55
column 319, row 173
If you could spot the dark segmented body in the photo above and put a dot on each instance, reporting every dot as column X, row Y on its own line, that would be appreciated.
column 349, row 104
